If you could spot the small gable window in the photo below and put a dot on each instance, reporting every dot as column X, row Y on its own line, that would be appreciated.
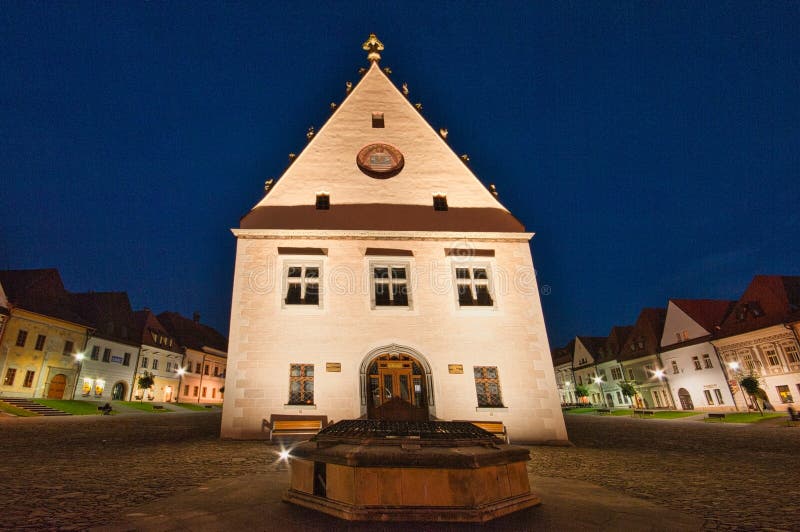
column 439, row 202
column 377, row 120
column 323, row 202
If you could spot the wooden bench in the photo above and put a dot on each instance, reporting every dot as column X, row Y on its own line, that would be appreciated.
column 158, row 407
column 603, row 410
column 643, row 413
column 495, row 428
column 716, row 415
column 794, row 416
column 282, row 425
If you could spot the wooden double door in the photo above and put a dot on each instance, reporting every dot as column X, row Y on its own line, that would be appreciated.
column 396, row 389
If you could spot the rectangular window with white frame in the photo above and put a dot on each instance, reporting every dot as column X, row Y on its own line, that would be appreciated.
column 785, row 394
column 791, row 352
column 718, row 393
column 302, row 284
column 473, row 286
column 707, row 361
column 390, row 284
column 709, row 399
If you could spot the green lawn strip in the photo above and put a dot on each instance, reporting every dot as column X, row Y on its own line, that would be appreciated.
column 192, row 406
column 144, row 407
column 16, row 411
column 77, row 408
column 672, row 414
column 580, row 410
column 622, row 412
column 744, row 417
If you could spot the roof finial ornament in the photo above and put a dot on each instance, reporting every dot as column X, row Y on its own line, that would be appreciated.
column 268, row 184
column 443, row 132
column 373, row 46
column 405, row 89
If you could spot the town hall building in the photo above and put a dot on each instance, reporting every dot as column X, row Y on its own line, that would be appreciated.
column 380, row 279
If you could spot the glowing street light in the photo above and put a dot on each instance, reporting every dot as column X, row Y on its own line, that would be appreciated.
column 659, row 374
column 180, row 372
column 79, row 359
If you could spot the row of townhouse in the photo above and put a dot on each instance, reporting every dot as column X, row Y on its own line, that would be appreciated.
column 692, row 354
column 58, row 344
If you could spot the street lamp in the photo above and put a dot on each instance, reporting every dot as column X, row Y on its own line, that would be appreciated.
column 180, row 373
column 566, row 385
column 735, row 368
column 598, row 380
column 79, row 359
column 659, row 374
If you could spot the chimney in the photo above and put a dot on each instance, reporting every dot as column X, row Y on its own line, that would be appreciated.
column 196, row 317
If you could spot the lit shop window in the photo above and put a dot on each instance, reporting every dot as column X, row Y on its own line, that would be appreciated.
column 99, row 386
column 87, row 387
column 785, row 394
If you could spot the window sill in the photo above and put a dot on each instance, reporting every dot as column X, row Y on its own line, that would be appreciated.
column 491, row 409
column 299, row 407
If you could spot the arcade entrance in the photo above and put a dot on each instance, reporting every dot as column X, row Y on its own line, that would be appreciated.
column 396, row 389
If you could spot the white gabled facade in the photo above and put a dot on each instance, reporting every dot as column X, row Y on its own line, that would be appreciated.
column 697, row 378
column 383, row 304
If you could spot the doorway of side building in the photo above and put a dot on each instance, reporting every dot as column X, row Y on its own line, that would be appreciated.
column 57, row 385
column 609, row 400
column 396, row 388
column 168, row 394
column 685, row 399
column 118, row 392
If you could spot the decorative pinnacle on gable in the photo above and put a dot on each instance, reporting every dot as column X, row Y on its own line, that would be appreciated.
column 373, row 46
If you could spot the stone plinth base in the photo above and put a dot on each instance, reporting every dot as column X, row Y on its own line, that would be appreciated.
column 408, row 481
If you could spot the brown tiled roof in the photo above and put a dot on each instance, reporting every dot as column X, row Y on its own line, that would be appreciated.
column 40, row 291
column 646, row 334
column 616, row 339
column 708, row 313
column 147, row 324
column 595, row 345
column 109, row 313
column 382, row 217
column 768, row 300
column 192, row 334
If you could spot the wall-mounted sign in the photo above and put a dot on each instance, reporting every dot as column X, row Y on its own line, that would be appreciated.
column 333, row 367
column 455, row 368
column 116, row 359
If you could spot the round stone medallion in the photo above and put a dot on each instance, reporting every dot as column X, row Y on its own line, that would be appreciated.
column 380, row 160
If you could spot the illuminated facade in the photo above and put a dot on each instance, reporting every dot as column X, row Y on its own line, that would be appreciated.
column 379, row 278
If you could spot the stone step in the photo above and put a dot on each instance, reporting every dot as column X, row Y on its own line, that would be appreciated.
column 36, row 408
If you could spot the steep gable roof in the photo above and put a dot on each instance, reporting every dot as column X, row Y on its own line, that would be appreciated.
column 191, row 333
column 152, row 332
column 616, row 339
column 595, row 345
column 359, row 201
column 768, row 300
column 109, row 313
column 708, row 313
column 645, row 337
column 41, row 291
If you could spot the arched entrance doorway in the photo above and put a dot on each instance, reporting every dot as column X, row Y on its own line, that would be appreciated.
column 396, row 385
column 118, row 392
column 609, row 400
column 57, row 385
column 685, row 399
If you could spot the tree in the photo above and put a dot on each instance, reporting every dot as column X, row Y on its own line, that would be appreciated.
column 628, row 389
column 753, row 388
column 145, row 382
column 581, row 391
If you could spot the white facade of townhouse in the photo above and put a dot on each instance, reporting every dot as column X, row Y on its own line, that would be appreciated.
column 773, row 355
column 106, row 371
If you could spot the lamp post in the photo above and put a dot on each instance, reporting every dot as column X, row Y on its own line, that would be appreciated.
column 598, row 380
column 79, row 359
column 735, row 369
column 180, row 372
column 566, row 385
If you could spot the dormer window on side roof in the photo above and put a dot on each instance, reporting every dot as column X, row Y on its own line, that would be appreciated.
column 439, row 202
column 377, row 120
column 323, row 202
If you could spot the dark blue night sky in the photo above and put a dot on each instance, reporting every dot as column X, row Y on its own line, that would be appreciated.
column 652, row 146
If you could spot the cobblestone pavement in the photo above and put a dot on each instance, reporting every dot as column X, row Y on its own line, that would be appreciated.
column 79, row 472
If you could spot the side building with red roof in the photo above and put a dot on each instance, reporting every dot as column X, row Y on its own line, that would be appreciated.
column 757, row 338
column 160, row 356
column 205, row 358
